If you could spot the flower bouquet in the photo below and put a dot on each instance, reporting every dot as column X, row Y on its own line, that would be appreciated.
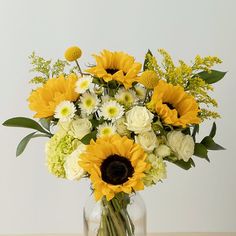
column 119, row 122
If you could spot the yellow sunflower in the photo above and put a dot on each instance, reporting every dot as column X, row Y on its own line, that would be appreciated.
column 45, row 99
column 174, row 105
column 115, row 164
column 117, row 66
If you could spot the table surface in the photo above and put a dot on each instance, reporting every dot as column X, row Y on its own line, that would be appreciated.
column 150, row 234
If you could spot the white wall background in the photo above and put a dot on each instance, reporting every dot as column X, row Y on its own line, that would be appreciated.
column 31, row 200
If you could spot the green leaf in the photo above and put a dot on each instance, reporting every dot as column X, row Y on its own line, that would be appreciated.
column 213, row 130
column 23, row 143
column 24, row 122
column 186, row 165
column 87, row 138
column 212, row 77
column 45, row 123
column 195, row 131
column 145, row 67
column 209, row 143
column 201, row 151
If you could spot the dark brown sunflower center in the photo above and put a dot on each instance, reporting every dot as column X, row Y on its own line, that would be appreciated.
column 111, row 71
column 116, row 170
column 170, row 105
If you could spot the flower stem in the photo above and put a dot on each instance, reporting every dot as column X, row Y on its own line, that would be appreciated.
column 80, row 71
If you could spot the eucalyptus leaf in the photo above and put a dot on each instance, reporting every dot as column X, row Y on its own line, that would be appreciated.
column 186, row 165
column 213, row 130
column 45, row 123
column 209, row 143
column 201, row 151
column 24, row 122
column 23, row 143
column 211, row 77
column 145, row 67
column 87, row 138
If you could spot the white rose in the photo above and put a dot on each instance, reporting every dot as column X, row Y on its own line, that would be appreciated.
column 79, row 128
column 162, row 151
column 182, row 145
column 121, row 127
column 72, row 167
column 139, row 119
column 147, row 140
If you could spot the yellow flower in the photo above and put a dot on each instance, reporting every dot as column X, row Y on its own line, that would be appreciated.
column 149, row 79
column 174, row 105
column 73, row 53
column 117, row 66
column 44, row 100
column 115, row 164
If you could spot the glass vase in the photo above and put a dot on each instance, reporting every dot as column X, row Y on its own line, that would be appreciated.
column 124, row 215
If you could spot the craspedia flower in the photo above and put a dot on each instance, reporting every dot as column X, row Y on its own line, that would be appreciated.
column 73, row 53
column 112, row 110
column 174, row 105
column 117, row 66
column 44, row 100
column 106, row 129
column 65, row 111
column 115, row 164
column 149, row 79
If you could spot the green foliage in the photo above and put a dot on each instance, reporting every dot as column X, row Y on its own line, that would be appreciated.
column 186, row 165
column 25, row 122
column 45, row 68
column 211, row 76
column 201, row 151
column 87, row 138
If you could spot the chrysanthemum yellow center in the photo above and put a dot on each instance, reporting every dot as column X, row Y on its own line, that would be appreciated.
column 116, row 170
column 84, row 84
column 112, row 111
column 89, row 102
column 106, row 131
column 65, row 111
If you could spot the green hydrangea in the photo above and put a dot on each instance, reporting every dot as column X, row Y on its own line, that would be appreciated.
column 59, row 147
column 157, row 172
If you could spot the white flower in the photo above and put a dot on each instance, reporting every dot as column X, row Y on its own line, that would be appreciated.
column 147, row 140
column 106, row 129
column 140, row 91
column 126, row 97
column 112, row 110
column 78, row 128
column 182, row 145
column 106, row 98
column 121, row 128
column 65, row 111
column 139, row 119
column 88, row 103
column 71, row 165
column 162, row 151
column 83, row 84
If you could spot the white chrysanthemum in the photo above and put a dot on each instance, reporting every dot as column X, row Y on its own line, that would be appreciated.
column 106, row 129
column 112, row 110
column 65, row 111
column 140, row 91
column 83, row 83
column 88, row 103
column 126, row 97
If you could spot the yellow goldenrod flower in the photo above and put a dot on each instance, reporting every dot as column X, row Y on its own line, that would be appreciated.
column 115, row 164
column 73, row 53
column 149, row 79
column 44, row 100
column 174, row 105
column 117, row 66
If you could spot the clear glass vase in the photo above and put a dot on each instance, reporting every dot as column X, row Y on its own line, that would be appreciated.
column 124, row 215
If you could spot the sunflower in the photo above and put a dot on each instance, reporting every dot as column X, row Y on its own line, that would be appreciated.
column 44, row 100
column 174, row 105
column 117, row 66
column 115, row 164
